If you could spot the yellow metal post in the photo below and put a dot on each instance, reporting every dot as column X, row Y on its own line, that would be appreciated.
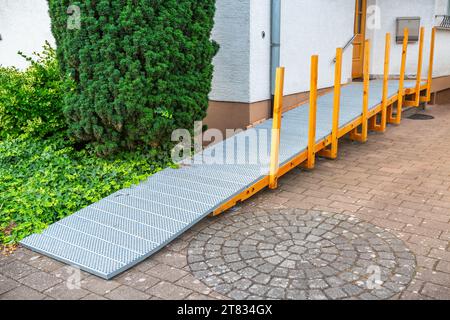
column 419, row 67
column 364, row 125
column 401, row 86
column 362, row 137
column 276, row 127
column 387, row 57
column 416, row 101
column 332, row 152
column 336, row 103
column 310, row 162
column 387, row 53
column 430, row 69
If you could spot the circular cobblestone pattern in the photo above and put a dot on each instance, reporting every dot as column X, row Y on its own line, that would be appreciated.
column 297, row 254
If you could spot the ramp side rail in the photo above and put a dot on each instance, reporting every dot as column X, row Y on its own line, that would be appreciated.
column 358, row 129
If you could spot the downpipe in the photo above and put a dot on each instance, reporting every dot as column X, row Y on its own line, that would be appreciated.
column 275, row 43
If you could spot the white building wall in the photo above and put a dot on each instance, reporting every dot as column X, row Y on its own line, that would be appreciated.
column 232, row 63
column 442, row 54
column 425, row 9
column 315, row 27
column 306, row 29
column 24, row 26
column 259, row 84
column 242, row 66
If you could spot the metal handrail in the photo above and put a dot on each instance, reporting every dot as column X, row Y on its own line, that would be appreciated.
column 445, row 23
column 349, row 42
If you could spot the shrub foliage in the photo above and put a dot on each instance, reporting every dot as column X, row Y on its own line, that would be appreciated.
column 141, row 69
column 31, row 100
column 45, row 180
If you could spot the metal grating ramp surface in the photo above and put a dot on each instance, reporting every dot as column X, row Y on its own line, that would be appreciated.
column 127, row 227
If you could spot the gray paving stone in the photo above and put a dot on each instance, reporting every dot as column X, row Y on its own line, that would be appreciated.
column 191, row 283
column 99, row 286
column 316, row 295
column 255, row 298
column 276, row 293
column 320, row 258
column 40, row 281
column 280, row 272
column 44, row 263
column 67, row 272
column 279, row 282
column 258, row 290
column 199, row 297
column 238, row 295
column 236, row 266
column 436, row 291
column 318, row 284
column 352, row 290
column 169, row 291
column 213, row 281
column 262, row 278
column 296, row 294
column 7, row 284
column 266, row 268
column 223, row 288
column 166, row 273
column 146, row 265
column 22, row 293
column 242, row 284
column 368, row 296
column 22, row 254
column 335, row 293
column 17, row 270
column 248, row 272
column 63, row 292
column 299, row 284
column 126, row 293
column 231, row 277
column 173, row 259
column 93, row 296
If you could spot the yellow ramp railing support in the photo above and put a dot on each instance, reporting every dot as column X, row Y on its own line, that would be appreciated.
column 276, row 128
column 430, row 68
column 419, row 67
column 354, row 135
column 332, row 152
column 416, row 101
column 311, row 161
column 336, row 103
column 401, row 86
column 387, row 54
column 364, row 126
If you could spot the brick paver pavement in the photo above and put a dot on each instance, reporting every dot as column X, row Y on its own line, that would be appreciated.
column 397, row 183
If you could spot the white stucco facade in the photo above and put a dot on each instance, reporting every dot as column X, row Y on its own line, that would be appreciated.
column 315, row 27
column 232, row 62
column 24, row 26
column 242, row 66
column 259, row 85
column 307, row 28
column 426, row 10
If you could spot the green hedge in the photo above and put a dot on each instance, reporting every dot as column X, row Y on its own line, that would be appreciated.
column 43, row 181
column 31, row 100
column 141, row 69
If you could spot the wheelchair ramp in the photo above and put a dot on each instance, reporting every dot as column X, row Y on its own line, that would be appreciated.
column 129, row 226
